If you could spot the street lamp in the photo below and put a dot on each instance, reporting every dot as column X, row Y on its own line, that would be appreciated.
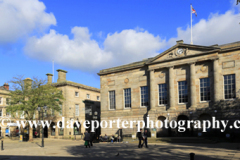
column 39, row 110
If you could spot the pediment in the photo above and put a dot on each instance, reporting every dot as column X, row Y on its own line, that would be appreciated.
column 178, row 51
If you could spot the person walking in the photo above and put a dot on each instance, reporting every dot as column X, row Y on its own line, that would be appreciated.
column 145, row 139
column 91, row 139
column 87, row 139
column 139, row 135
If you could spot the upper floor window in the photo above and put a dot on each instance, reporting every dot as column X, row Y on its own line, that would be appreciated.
column 88, row 96
column 76, row 94
column 112, row 102
column 163, row 97
column 229, row 86
column 127, row 98
column 205, row 89
column 0, row 112
column 98, row 98
column 144, row 96
column 1, row 100
column 76, row 110
column 183, row 92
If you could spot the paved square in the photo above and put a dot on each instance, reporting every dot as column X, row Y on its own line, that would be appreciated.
column 68, row 149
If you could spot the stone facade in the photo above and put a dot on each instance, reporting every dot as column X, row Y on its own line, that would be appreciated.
column 4, row 99
column 74, row 94
column 182, row 62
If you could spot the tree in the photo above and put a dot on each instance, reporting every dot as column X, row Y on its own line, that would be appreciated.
column 27, row 95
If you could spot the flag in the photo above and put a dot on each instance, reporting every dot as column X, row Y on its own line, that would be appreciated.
column 238, row 1
column 194, row 11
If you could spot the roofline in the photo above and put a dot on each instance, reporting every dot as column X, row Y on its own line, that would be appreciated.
column 66, row 83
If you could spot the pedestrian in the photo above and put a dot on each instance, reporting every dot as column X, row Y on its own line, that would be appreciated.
column 87, row 139
column 140, row 138
column 145, row 139
column 112, row 138
column 91, row 139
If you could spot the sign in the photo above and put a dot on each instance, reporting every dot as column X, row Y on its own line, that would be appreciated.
column 153, row 135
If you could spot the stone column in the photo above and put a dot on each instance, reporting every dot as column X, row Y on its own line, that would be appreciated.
column 152, row 95
column 216, row 79
column 171, row 89
column 193, row 85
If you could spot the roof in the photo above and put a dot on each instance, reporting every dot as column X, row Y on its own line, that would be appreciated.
column 74, row 84
column 3, row 88
column 133, row 65
column 144, row 62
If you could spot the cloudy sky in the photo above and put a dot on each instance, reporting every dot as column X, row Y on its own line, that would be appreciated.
column 85, row 36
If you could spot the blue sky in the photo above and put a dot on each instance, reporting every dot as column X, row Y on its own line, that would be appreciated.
column 84, row 36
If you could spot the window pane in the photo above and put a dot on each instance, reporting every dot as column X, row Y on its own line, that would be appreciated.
column 144, row 96
column 112, row 99
column 163, row 98
column 127, row 97
column 229, row 86
column 183, row 91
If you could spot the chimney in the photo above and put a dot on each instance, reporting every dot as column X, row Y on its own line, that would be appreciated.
column 61, row 75
column 180, row 42
column 49, row 78
column 6, row 86
column 28, row 83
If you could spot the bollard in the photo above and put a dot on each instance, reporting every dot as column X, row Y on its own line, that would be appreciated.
column 192, row 156
column 2, row 145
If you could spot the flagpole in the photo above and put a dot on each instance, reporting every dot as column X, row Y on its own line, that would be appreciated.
column 191, row 22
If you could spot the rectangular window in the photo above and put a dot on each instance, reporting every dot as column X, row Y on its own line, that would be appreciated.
column 76, row 110
column 0, row 112
column 183, row 91
column 112, row 101
column 229, row 86
column 88, row 96
column 163, row 97
column 144, row 96
column 1, row 100
column 127, row 98
column 76, row 94
column 98, row 98
column 205, row 89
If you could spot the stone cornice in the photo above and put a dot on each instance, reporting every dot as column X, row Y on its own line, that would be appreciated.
column 78, row 85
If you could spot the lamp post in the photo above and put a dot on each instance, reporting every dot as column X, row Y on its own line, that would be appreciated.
column 39, row 110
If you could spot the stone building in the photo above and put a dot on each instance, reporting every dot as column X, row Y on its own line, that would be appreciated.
column 176, row 84
column 4, row 101
column 77, row 97
column 80, row 102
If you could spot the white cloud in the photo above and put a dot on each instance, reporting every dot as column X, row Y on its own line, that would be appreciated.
column 19, row 18
column 217, row 29
column 83, row 53
column 129, row 45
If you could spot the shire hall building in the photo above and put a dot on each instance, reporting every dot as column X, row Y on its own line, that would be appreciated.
column 185, row 82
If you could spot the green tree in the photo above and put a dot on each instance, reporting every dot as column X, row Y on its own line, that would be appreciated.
column 27, row 95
